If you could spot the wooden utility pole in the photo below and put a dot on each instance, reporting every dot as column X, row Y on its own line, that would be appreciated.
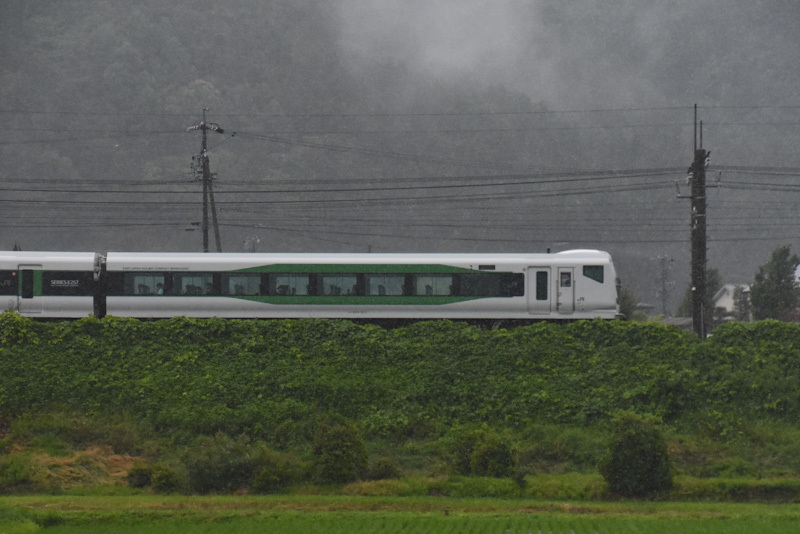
column 208, row 189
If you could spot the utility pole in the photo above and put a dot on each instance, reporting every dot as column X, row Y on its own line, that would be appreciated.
column 208, row 189
column 697, row 176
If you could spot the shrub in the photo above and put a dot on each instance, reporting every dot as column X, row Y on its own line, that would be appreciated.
column 16, row 329
column 482, row 452
column 637, row 463
column 219, row 464
column 164, row 480
column 493, row 458
column 383, row 469
column 275, row 472
column 339, row 454
column 460, row 451
column 15, row 471
column 139, row 476
column 558, row 448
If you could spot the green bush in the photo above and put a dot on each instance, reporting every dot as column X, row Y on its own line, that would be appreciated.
column 493, row 458
column 15, row 471
column 276, row 472
column 16, row 329
column 164, row 480
column 139, row 476
column 383, row 469
column 637, row 463
column 339, row 454
column 219, row 464
column 481, row 452
column 459, row 449
column 559, row 448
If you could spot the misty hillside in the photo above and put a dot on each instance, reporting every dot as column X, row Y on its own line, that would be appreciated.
column 403, row 126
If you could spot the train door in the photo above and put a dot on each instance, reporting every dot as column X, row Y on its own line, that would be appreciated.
column 28, row 277
column 539, row 294
column 566, row 290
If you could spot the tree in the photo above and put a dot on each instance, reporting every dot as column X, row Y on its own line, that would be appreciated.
column 774, row 293
column 741, row 304
column 627, row 303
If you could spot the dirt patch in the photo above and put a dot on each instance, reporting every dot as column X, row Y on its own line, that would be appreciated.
column 91, row 467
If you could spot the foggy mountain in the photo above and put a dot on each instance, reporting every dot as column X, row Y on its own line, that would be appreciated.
column 404, row 125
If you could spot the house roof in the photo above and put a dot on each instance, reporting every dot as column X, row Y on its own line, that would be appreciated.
column 728, row 289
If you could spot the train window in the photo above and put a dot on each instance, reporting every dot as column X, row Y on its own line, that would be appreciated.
column 241, row 284
column 193, row 284
column 541, row 285
column 492, row 285
column 144, row 284
column 566, row 279
column 66, row 283
column 27, row 283
column 594, row 272
column 390, row 285
column 336, row 285
column 289, row 284
column 8, row 282
column 433, row 285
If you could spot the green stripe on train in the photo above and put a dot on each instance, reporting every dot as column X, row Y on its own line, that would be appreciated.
column 358, row 301
column 356, row 269
column 37, row 284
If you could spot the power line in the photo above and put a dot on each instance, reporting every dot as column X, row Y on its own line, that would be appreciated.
column 355, row 115
column 540, row 180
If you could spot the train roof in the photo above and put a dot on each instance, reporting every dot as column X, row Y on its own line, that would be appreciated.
column 237, row 260
column 353, row 257
column 63, row 260
column 154, row 260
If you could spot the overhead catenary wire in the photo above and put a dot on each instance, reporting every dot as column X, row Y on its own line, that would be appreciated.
column 390, row 198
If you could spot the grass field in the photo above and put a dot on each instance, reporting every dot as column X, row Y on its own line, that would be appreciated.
column 337, row 514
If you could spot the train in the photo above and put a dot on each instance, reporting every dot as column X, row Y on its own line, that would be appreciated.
column 567, row 285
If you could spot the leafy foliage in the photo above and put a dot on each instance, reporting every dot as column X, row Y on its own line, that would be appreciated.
column 15, row 471
column 275, row 472
column 493, row 457
column 774, row 293
column 481, row 452
column 270, row 379
column 339, row 454
column 219, row 464
column 157, row 476
column 277, row 384
column 637, row 464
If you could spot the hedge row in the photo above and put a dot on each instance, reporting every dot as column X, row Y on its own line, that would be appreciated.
column 263, row 377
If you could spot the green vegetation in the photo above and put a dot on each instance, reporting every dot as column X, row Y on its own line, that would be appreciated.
column 637, row 463
column 289, row 514
column 435, row 408
column 775, row 294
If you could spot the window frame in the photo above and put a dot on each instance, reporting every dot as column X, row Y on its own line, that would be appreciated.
column 590, row 272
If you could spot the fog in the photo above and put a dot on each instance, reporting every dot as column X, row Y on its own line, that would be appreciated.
column 483, row 42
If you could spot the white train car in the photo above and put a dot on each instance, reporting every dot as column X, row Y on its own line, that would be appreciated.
column 577, row 284
column 47, row 284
